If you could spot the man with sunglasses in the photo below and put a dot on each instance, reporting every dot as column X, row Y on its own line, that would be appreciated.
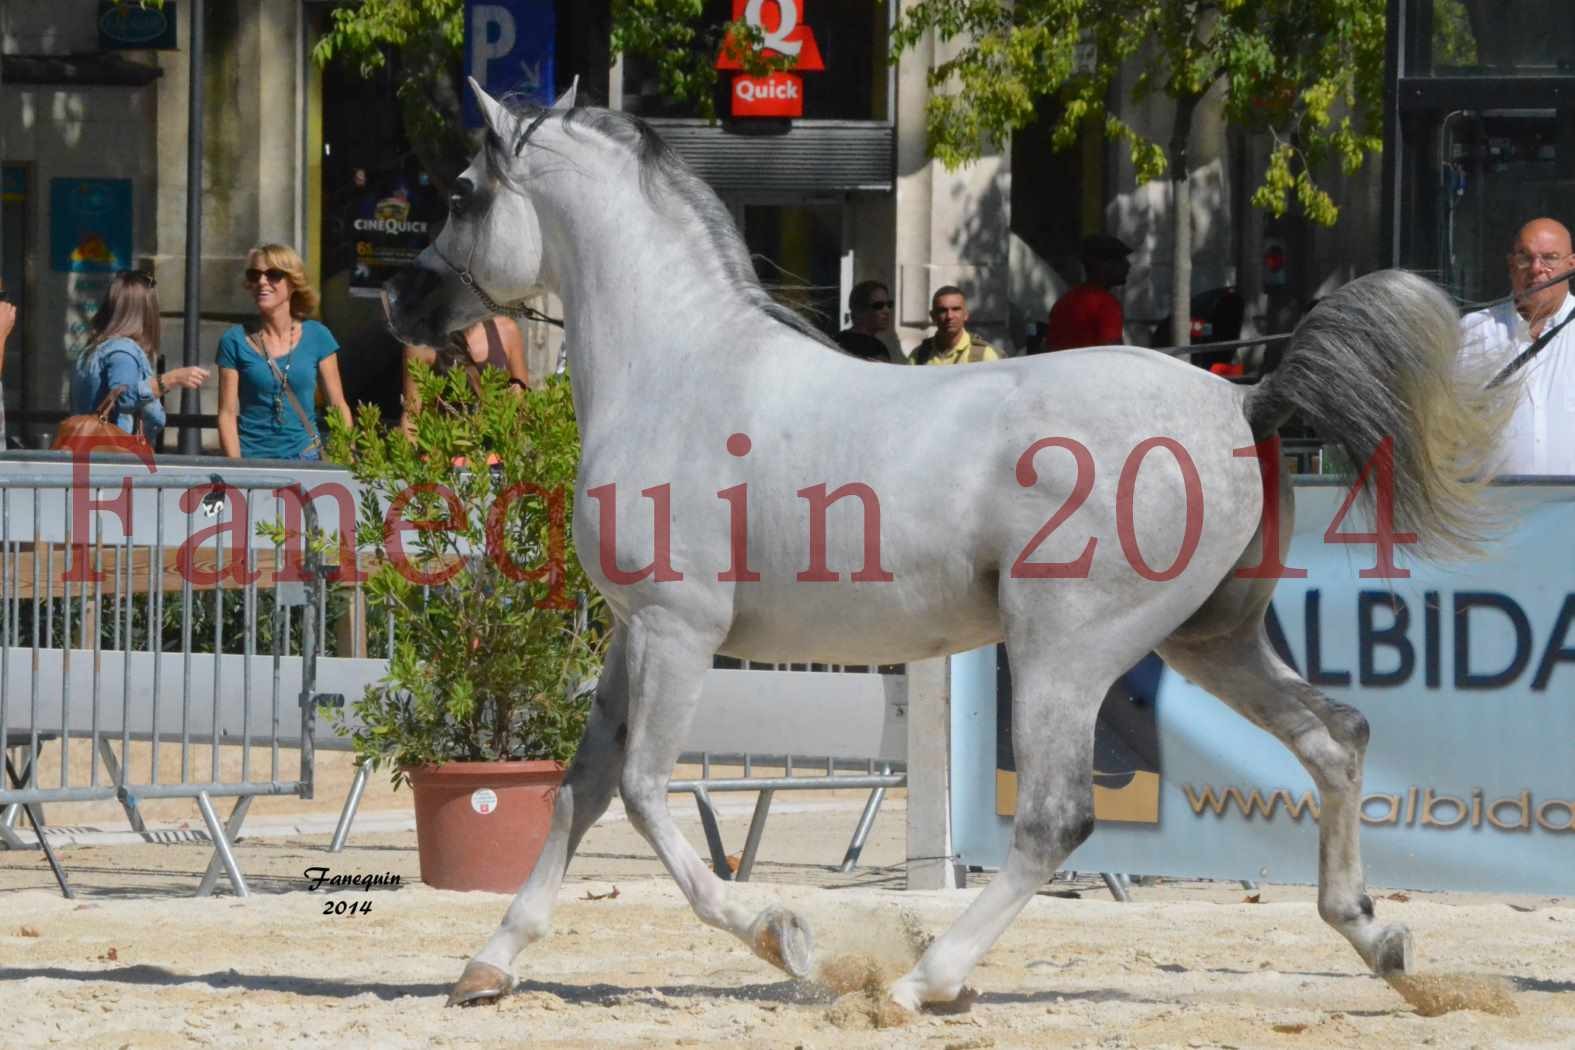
column 1533, row 332
column 871, row 306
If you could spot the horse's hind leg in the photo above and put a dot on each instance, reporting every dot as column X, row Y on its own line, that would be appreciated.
column 1056, row 698
column 1330, row 740
column 583, row 797
column 667, row 662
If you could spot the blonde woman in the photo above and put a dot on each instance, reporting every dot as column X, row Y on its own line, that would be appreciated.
column 270, row 371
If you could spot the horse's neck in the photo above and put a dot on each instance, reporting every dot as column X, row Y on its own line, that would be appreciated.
column 641, row 305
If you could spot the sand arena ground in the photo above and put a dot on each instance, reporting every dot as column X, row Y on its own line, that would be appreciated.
column 134, row 962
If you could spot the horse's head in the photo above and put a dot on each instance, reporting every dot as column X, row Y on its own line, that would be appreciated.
column 488, row 256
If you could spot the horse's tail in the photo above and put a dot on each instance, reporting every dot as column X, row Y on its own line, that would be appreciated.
column 1380, row 359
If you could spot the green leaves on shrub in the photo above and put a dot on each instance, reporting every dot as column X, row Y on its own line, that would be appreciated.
column 498, row 638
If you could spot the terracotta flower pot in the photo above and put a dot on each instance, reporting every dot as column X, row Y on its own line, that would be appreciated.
column 481, row 825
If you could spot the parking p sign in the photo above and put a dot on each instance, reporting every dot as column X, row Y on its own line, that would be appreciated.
column 509, row 47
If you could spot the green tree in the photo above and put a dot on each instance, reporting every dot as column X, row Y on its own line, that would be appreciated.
column 1309, row 73
column 427, row 36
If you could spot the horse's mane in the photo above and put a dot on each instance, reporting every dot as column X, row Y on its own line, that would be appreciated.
column 665, row 176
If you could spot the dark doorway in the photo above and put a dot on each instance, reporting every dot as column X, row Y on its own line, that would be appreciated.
column 14, row 219
column 370, row 174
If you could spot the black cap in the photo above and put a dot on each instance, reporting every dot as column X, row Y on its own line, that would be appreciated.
column 1104, row 246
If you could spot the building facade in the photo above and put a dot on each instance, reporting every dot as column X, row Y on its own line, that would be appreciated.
column 840, row 192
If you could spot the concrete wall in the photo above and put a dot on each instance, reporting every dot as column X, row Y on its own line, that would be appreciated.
column 1141, row 215
column 63, row 132
column 252, row 185
column 952, row 227
column 252, row 188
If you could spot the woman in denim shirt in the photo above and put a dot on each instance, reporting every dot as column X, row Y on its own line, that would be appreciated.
column 121, row 348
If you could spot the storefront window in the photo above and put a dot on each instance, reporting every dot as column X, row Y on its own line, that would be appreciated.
column 852, row 40
column 1478, row 176
column 1495, row 38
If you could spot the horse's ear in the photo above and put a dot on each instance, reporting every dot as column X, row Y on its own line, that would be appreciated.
column 492, row 111
column 566, row 100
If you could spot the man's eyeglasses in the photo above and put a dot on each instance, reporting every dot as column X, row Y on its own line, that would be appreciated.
column 880, row 304
column 138, row 275
column 273, row 273
column 1525, row 261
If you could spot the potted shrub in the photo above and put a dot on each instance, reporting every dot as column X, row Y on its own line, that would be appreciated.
column 497, row 638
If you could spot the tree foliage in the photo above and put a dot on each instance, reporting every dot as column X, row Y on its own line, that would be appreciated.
column 427, row 36
column 1307, row 72
column 675, row 37
column 492, row 660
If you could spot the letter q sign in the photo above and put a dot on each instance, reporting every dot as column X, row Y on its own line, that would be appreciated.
column 782, row 27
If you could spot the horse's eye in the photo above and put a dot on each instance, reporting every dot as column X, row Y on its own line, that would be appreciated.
column 464, row 189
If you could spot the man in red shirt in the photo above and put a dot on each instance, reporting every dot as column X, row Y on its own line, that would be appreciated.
column 1088, row 315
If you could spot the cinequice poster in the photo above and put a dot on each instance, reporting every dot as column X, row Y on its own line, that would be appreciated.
column 387, row 224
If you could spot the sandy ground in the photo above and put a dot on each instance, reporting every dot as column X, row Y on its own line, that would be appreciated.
column 134, row 962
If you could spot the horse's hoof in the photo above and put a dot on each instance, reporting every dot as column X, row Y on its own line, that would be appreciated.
column 904, row 995
column 783, row 939
column 480, row 983
column 1392, row 951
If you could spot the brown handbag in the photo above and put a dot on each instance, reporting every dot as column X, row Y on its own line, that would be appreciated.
column 95, row 430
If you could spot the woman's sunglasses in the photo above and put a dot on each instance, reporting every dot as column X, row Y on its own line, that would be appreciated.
column 273, row 273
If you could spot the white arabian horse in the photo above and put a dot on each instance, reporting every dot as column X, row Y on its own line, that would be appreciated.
column 746, row 489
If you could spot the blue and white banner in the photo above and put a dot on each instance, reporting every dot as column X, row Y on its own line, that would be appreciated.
column 510, row 47
column 1466, row 673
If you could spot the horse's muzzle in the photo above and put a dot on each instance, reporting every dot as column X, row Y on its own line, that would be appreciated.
column 418, row 304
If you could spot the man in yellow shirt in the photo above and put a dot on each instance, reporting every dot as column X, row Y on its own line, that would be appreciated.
column 952, row 343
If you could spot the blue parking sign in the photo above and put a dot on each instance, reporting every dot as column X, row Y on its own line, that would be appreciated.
column 509, row 47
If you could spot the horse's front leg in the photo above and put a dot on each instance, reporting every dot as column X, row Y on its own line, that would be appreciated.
column 667, row 663
column 586, row 791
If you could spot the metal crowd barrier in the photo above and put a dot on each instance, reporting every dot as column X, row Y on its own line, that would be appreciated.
column 196, row 683
column 141, row 609
column 798, row 774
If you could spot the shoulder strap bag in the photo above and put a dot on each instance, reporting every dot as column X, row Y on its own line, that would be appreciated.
column 96, row 430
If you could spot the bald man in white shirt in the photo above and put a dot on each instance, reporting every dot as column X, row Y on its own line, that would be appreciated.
column 1540, row 438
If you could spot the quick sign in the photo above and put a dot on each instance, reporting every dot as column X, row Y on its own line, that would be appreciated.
column 781, row 23
column 777, row 95
column 510, row 47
